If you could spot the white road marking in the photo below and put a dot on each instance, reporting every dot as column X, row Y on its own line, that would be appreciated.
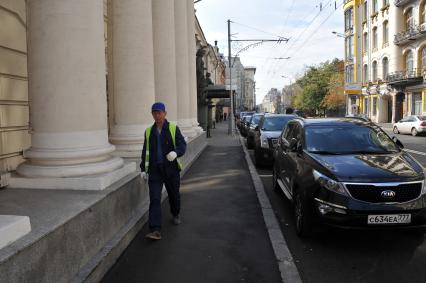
column 415, row 151
column 265, row 176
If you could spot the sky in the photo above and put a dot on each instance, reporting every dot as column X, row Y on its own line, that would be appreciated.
column 308, row 27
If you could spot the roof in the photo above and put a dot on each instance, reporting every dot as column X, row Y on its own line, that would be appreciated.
column 333, row 122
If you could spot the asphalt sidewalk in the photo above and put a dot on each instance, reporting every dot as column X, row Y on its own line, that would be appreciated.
column 222, row 238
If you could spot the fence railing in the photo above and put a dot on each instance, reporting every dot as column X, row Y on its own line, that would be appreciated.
column 405, row 76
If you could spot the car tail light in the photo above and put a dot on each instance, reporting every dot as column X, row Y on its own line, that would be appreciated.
column 423, row 123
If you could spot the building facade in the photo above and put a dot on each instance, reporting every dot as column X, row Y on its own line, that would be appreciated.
column 272, row 102
column 384, row 44
column 249, row 99
column 237, row 82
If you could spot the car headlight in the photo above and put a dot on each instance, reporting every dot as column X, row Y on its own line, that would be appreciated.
column 264, row 142
column 329, row 183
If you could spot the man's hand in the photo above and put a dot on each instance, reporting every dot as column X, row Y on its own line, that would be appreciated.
column 171, row 156
column 144, row 176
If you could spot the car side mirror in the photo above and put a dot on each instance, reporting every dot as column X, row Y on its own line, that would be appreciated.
column 398, row 142
column 284, row 144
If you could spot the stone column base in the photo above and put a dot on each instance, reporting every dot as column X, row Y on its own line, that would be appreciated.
column 88, row 182
column 12, row 228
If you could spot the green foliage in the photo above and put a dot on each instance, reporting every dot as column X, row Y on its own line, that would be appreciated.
column 315, row 85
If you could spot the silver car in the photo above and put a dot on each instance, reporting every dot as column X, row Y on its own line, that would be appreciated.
column 413, row 125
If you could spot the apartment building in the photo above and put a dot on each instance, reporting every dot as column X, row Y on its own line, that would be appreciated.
column 385, row 58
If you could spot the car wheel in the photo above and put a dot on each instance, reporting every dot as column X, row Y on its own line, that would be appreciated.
column 302, row 216
column 414, row 132
column 395, row 130
column 257, row 158
column 249, row 144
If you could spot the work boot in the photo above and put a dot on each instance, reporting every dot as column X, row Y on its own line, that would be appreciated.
column 155, row 235
column 176, row 220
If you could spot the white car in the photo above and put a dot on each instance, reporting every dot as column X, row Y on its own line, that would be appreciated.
column 413, row 124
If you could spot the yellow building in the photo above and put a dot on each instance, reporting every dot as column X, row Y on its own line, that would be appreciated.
column 385, row 58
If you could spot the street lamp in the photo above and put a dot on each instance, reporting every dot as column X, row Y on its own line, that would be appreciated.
column 338, row 34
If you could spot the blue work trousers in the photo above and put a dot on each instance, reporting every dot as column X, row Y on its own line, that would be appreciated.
column 158, row 175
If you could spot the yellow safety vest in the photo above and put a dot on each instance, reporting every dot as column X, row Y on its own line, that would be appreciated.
column 172, row 129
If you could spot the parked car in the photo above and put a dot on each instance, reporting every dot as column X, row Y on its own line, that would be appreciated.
column 245, row 122
column 241, row 116
column 413, row 125
column 266, row 136
column 348, row 173
column 251, row 128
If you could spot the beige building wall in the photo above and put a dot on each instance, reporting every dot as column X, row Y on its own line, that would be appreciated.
column 14, row 109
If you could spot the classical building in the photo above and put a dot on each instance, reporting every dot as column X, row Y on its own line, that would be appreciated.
column 384, row 50
column 271, row 102
column 249, row 99
column 238, row 82
column 77, row 80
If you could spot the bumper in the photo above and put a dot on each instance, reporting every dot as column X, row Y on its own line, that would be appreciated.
column 345, row 212
column 421, row 129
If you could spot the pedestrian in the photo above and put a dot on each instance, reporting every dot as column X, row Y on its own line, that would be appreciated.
column 163, row 144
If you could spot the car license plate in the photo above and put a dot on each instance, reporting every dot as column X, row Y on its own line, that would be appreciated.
column 274, row 142
column 389, row 219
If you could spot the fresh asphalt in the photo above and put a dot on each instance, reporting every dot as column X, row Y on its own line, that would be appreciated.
column 222, row 238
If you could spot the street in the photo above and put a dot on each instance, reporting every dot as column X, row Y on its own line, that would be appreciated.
column 335, row 255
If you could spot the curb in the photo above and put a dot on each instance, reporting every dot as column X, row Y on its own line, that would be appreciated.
column 286, row 265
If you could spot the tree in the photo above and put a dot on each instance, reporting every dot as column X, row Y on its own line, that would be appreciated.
column 335, row 97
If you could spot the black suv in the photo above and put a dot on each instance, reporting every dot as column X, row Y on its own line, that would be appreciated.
column 349, row 173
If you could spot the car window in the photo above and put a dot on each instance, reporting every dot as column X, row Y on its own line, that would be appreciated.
column 342, row 139
column 411, row 119
column 422, row 118
column 276, row 123
column 403, row 120
column 255, row 120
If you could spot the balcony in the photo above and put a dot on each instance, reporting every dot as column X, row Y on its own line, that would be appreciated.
column 411, row 34
column 400, row 3
column 407, row 77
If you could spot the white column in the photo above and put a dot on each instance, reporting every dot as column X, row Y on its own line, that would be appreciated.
column 182, row 69
column 132, row 75
column 66, row 67
column 192, row 66
column 165, row 55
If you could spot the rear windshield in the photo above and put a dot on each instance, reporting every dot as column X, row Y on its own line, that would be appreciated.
column 347, row 140
column 422, row 118
column 275, row 123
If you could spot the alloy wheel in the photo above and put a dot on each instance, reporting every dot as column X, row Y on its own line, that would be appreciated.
column 395, row 130
column 414, row 132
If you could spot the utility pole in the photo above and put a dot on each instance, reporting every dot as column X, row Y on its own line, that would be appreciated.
column 256, row 42
column 231, row 128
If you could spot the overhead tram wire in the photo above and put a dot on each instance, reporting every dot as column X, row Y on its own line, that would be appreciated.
column 253, row 28
column 301, row 34
column 311, row 35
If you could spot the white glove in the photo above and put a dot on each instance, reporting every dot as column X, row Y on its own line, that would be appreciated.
column 144, row 176
column 171, row 156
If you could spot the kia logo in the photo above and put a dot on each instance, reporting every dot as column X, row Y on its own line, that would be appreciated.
column 388, row 194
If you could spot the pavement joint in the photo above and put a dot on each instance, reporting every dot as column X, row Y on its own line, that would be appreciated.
column 286, row 264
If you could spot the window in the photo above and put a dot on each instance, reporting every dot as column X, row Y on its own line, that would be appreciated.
column 365, row 75
column 385, row 32
column 348, row 19
column 365, row 14
column 349, row 74
column 423, row 67
column 375, row 6
column 423, row 13
column 409, row 19
column 374, row 71
column 409, row 62
column 349, row 47
column 375, row 38
column 385, row 3
column 365, row 42
column 385, row 65
column 374, row 106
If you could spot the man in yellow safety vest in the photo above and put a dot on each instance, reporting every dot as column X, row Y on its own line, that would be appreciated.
column 163, row 144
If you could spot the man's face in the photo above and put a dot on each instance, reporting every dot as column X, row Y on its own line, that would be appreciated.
column 159, row 116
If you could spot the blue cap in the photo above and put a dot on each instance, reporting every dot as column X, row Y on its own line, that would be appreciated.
column 158, row 106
